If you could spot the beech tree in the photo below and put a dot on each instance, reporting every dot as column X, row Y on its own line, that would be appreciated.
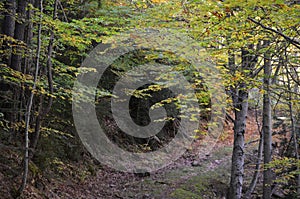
column 229, row 26
column 249, row 41
column 267, row 124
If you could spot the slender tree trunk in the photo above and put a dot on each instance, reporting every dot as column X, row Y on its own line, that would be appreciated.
column 240, row 104
column 28, row 39
column 259, row 160
column 29, row 106
column 43, row 112
column 28, row 60
column 296, row 135
column 38, row 121
column 267, row 125
column 257, row 168
column 294, row 129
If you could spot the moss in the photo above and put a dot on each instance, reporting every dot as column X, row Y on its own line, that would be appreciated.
column 182, row 193
column 208, row 185
column 209, row 182
column 33, row 168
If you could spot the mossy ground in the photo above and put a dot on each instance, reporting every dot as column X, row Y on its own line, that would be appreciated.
column 208, row 180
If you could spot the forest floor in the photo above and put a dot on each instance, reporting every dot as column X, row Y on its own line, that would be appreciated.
column 186, row 178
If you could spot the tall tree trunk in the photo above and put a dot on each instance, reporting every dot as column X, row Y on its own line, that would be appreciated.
column 28, row 38
column 240, row 104
column 294, row 128
column 28, row 60
column 43, row 112
column 29, row 106
column 16, row 59
column 8, row 30
column 238, row 156
column 9, row 18
column 267, row 125
column 9, row 26
column 296, row 134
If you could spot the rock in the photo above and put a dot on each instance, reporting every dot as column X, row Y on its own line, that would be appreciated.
column 217, row 161
column 142, row 174
column 196, row 163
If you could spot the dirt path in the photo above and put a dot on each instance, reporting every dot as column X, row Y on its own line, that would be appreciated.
column 180, row 179
column 187, row 178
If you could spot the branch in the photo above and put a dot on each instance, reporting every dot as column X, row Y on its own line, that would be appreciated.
column 62, row 9
column 291, row 40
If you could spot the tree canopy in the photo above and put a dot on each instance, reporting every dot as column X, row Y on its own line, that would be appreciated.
column 253, row 46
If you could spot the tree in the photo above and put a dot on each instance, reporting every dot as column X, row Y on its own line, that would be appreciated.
column 30, row 103
column 9, row 25
column 267, row 125
column 231, row 31
column 16, row 58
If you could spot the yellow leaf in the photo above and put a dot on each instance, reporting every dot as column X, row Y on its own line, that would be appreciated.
column 159, row 1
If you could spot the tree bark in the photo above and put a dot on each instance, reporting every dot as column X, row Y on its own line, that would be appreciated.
column 238, row 156
column 28, row 39
column 9, row 26
column 294, row 127
column 29, row 106
column 239, row 95
column 43, row 112
column 267, row 125
column 16, row 58
column 9, row 18
column 8, row 30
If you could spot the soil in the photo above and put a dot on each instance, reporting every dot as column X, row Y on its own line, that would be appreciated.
column 193, row 175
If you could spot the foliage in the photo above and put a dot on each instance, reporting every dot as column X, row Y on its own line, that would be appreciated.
column 223, row 28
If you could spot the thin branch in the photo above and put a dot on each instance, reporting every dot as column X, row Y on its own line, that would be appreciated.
column 291, row 40
column 62, row 9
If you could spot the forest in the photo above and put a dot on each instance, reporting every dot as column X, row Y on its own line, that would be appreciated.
column 173, row 99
